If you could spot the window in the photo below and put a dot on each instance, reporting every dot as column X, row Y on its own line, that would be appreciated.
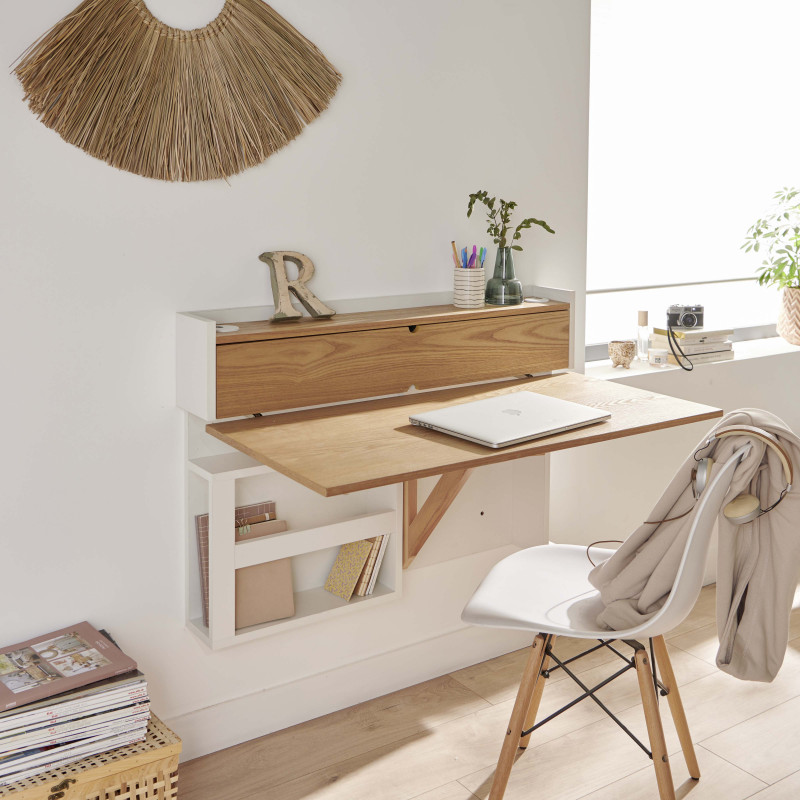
column 693, row 127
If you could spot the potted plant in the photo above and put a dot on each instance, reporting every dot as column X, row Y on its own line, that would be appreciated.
column 503, row 288
column 777, row 236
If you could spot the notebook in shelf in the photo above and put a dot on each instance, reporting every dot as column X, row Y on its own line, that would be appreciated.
column 264, row 592
column 242, row 515
column 347, row 568
column 376, row 571
column 366, row 583
column 369, row 566
column 258, row 529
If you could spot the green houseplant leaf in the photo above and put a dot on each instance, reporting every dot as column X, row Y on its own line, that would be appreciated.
column 499, row 219
column 779, row 234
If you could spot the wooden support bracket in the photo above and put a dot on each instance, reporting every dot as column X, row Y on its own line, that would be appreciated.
column 419, row 525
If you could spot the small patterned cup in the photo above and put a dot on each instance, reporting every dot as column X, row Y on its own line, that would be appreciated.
column 469, row 286
column 621, row 353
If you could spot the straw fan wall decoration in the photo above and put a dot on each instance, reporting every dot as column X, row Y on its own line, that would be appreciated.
column 172, row 104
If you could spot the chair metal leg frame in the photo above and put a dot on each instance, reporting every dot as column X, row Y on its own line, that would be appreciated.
column 587, row 692
column 538, row 669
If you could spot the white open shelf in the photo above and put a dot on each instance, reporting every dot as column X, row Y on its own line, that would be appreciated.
column 312, row 603
column 311, row 606
column 294, row 543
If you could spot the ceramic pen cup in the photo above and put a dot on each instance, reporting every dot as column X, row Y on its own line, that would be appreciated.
column 469, row 286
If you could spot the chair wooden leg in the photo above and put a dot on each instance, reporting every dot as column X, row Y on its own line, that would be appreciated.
column 518, row 715
column 536, row 699
column 676, row 706
column 666, row 788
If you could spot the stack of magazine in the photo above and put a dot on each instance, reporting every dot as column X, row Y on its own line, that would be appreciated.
column 65, row 696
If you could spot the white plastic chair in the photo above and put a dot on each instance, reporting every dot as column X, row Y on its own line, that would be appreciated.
column 546, row 590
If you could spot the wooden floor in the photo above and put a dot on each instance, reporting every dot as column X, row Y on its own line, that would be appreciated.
column 439, row 740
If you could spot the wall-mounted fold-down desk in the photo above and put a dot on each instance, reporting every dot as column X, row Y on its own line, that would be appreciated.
column 262, row 367
column 342, row 449
column 343, row 440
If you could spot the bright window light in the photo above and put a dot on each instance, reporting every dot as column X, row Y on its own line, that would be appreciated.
column 693, row 128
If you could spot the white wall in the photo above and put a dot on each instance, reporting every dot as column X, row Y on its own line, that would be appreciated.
column 439, row 98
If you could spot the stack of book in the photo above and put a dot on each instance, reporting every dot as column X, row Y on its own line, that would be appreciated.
column 700, row 346
column 355, row 571
column 66, row 696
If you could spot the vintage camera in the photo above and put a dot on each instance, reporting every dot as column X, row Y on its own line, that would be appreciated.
column 679, row 316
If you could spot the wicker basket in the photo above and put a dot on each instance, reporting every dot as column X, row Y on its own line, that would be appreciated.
column 148, row 769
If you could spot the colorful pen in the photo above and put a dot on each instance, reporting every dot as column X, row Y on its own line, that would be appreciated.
column 464, row 260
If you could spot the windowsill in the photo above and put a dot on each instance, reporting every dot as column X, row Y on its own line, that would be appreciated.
column 756, row 348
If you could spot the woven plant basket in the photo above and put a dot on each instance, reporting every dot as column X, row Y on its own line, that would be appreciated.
column 173, row 104
column 789, row 316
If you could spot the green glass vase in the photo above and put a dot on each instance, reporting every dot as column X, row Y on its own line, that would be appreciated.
column 503, row 288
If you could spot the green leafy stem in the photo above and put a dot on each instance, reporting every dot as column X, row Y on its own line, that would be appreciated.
column 499, row 218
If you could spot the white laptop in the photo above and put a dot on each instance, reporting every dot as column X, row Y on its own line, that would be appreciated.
column 508, row 419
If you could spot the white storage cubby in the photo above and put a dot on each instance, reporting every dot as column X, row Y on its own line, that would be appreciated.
column 219, row 478
column 218, row 482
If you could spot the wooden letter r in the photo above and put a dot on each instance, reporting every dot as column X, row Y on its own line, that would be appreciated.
column 281, row 285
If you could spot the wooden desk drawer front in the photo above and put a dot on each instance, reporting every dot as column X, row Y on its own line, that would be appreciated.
column 277, row 374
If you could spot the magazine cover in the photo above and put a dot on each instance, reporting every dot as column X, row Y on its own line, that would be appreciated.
column 57, row 662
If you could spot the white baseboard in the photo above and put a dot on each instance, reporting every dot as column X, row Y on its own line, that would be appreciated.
column 241, row 719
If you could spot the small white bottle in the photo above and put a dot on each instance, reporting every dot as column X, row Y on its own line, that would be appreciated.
column 642, row 338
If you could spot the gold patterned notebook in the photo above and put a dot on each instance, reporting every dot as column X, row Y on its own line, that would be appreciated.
column 347, row 568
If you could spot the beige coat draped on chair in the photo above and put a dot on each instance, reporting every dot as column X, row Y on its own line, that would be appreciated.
column 758, row 563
